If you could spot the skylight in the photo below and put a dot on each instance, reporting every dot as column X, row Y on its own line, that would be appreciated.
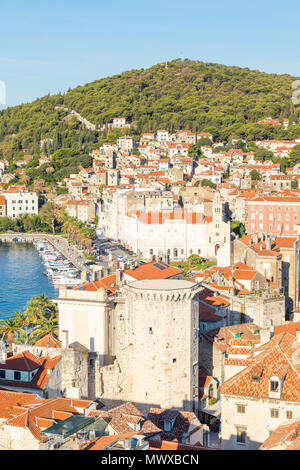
column 159, row 266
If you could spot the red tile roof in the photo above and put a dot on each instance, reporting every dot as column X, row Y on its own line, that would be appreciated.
column 153, row 271
column 286, row 436
column 155, row 444
column 39, row 381
column 48, row 341
column 39, row 415
column 100, row 442
column 279, row 356
column 24, row 361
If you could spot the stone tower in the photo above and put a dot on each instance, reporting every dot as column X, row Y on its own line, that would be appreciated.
column 155, row 345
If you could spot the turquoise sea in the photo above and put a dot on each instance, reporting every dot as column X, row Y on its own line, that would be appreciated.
column 21, row 276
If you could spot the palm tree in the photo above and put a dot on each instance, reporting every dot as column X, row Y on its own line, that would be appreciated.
column 21, row 318
column 48, row 326
column 39, row 307
column 8, row 328
column 25, row 337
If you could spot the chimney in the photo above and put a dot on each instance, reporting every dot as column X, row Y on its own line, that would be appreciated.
column 105, row 272
column 118, row 277
column 298, row 336
column 122, row 266
column 127, row 444
column 265, row 335
column 65, row 339
column 3, row 353
column 268, row 243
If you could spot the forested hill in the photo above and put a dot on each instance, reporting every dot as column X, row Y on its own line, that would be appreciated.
column 226, row 101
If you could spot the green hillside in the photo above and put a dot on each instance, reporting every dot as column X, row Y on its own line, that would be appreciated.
column 226, row 101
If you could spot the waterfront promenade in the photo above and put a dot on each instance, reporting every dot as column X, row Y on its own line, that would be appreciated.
column 59, row 243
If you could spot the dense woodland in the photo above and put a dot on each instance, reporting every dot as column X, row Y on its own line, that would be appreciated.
column 225, row 101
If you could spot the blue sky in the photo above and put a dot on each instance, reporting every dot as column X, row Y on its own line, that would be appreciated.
column 47, row 46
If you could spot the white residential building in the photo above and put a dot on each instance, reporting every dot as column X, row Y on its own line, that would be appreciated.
column 162, row 136
column 262, row 393
column 21, row 202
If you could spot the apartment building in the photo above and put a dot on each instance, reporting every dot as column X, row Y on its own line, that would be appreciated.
column 21, row 202
column 2, row 206
column 263, row 395
column 85, row 211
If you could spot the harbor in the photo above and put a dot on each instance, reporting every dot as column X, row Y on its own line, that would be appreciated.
column 21, row 274
column 58, row 243
column 63, row 264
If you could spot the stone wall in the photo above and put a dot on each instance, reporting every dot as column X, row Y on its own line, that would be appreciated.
column 156, row 348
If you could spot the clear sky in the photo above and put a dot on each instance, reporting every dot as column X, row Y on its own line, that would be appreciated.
column 47, row 46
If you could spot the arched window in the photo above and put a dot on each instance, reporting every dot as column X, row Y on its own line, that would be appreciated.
column 175, row 252
column 151, row 251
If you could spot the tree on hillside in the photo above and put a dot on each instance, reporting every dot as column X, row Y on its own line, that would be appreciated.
column 255, row 175
column 194, row 259
column 209, row 183
column 238, row 228
column 295, row 153
column 52, row 215
column 294, row 184
column 263, row 154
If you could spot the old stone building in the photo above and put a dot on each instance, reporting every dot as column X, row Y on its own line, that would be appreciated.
column 277, row 258
column 142, row 338
column 263, row 395
column 72, row 380
column 215, row 343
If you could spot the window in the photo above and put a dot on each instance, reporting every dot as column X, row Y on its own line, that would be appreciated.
column 289, row 414
column 150, row 331
column 274, row 413
column 241, row 409
column 274, row 386
column 241, row 434
column 17, row 375
column 167, row 426
column 255, row 378
column 2, row 374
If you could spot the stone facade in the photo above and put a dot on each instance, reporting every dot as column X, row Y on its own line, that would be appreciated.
column 150, row 352
column 70, row 376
